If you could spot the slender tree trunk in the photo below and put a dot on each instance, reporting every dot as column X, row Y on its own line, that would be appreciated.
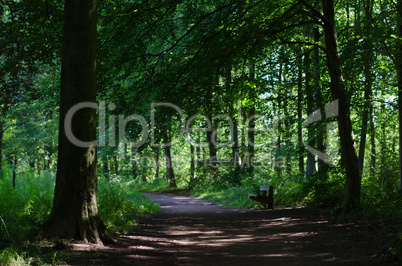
column 368, row 82
column 251, row 123
column 278, row 165
column 168, row 156
column 211, row 137
column 300, row 112
column 310, row 165
column 234, row 133
column 75, row 206
column 116, row 161
column 372, row 143
column 157, row 162
column 15, row 160
column 348, row 145
column 211, row 144
column 105, row 168
column 383, row 149
column 192, row 165
column 321, row 125
column 365, row 117
column 235, row 138
column 287, row 135
column 169, row 167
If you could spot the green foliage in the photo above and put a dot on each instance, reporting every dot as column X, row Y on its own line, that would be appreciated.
column 11, row 257
column 120, row 207
column 158, row 184
column 230, row 197
column 24, row 208
column 325, row 193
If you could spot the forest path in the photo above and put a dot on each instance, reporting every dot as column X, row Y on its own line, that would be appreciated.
column 193, row 231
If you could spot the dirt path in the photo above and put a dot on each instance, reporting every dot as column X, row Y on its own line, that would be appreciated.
column 192, row 231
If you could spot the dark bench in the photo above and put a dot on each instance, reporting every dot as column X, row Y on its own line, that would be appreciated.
column 266, row 200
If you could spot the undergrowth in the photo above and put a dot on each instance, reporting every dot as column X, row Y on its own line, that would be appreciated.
column 25, row 207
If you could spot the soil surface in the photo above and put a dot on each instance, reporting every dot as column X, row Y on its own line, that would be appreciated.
column 193, row 231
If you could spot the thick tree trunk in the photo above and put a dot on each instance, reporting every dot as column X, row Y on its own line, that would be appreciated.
column 348, row 145
column 75, row 206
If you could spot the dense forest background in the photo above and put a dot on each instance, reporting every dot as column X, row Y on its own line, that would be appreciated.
column 213, row 96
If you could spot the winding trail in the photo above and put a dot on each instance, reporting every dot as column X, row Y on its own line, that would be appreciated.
column 193, row 231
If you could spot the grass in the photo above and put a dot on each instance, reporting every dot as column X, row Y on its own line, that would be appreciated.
column 230, row 197
column 23, row 210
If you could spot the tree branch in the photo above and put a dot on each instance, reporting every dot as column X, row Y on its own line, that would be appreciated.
column 315, row 11
column 300, row 42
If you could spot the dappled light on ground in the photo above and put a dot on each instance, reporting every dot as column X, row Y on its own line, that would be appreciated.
column 191, row 231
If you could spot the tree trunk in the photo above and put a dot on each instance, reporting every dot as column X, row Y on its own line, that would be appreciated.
column 368, row 82
column 75, row 206
column 348, row 145
column 363, row 137
column 157, row 162
column 169, row 167
column 116, row 161
column 170, row 178
column 310, row 165
column 192, row 166
column 300, row 112
column 234, row 133
column 278, row 166
column 251, row 122
column 106, row 168
column 372, row 143
column 321, row 126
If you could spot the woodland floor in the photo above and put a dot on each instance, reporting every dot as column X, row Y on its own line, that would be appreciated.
column 193, row 231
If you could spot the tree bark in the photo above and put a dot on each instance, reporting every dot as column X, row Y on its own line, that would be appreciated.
column 321, row 126
column 192, row 165
column 278, row 166
column 372, row 143
column 251, row 123
column 234, row 133
column 368, row 82
column 157, row 162
column 169, row 167
column 348, row 145
column 75, row 206
column 300, row 112
column 168, row 156
column 310, row 165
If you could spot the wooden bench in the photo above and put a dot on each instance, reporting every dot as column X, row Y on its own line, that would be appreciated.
column 266, row 200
